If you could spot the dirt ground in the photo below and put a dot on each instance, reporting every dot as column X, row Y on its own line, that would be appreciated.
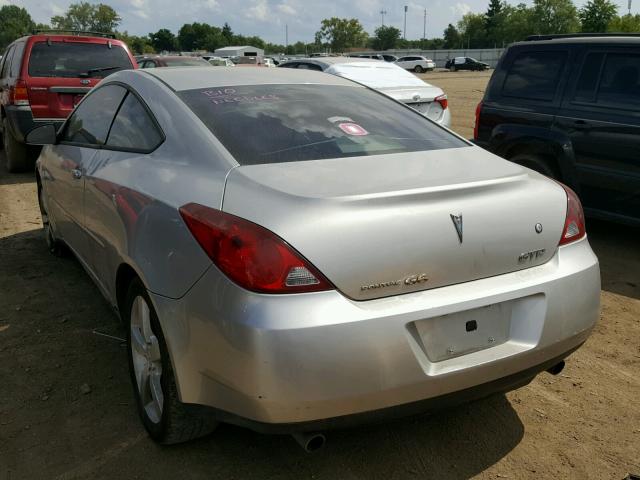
column 66, row 405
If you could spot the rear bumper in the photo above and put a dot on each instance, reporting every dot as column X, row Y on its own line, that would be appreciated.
column 299, row 361
column 21, row 121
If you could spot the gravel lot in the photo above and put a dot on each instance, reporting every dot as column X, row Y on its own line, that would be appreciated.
column 66, row 406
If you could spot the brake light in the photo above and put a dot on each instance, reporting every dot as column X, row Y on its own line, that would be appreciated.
column 574, row 226
column 443, row 101
column 18, row 93
column 477, row 124
column 252, row 256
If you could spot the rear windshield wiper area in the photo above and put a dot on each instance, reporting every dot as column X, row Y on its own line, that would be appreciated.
column 91, row 71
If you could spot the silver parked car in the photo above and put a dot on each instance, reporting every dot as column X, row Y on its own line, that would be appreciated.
column 387, row 78
column 285, row 257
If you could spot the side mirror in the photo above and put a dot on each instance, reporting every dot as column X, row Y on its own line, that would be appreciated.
column 42, row 135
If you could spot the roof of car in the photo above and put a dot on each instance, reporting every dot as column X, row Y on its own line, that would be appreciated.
column 334, row 60
column 190, row 78
column 604, row 39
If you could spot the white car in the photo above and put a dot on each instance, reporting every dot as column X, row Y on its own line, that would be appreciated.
column 416, row 64
column 387, row 78
column 220, row 62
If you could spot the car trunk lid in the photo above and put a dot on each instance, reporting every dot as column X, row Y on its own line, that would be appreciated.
column 386, row 225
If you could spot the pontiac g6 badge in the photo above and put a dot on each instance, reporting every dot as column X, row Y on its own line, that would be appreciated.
column 409, row 281
column 457, row 222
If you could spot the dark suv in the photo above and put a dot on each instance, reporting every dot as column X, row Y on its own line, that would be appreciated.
column 569, row 107
column 43, row 76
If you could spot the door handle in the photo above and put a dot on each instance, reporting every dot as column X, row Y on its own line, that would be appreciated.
column 77, row 173
column 581, row 125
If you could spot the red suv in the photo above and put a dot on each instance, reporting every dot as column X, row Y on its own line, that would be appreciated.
column 43, row 76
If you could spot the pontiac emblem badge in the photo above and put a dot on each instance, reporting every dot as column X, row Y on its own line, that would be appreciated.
column 84, row 81
column 457, row 222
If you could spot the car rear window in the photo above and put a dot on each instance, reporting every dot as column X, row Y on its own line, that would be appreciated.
column 288, row 123
column 534, row 75
column 76, row 59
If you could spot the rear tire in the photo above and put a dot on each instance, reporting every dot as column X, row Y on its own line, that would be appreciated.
column 539, row 164
column 55, row 246
column 418, row 69
column 17, row 154
column 452, row 69
column 167, row 420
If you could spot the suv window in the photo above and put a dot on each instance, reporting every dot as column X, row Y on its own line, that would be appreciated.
column 589, row 76
column 6, row 62
column 309, row 66
column 89, row 124
column 534, row 75
column 133, row 128
column 77, row 59
column 290, row 123
column 620, row 83
column 16, row 60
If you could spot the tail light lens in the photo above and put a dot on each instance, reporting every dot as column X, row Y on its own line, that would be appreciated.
column 443, row 101
column 18, row 94
column 252, row 256
column 476, row 127
column 574, row 227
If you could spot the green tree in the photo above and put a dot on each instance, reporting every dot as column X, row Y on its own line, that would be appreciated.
column 227, row 33
column 494, row 21
column 625, row 24
column 452, row 38
column 163, row 40
column 137, row 45
column 87, row 17
column 555, row 16
column 472, row 30
column 519, row 23
column 14, row 22
column 597, row 14
column 386, row 37
column 341, row 33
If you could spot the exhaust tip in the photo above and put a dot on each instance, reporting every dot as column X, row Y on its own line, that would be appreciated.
column 557, row 368
column 310, row 442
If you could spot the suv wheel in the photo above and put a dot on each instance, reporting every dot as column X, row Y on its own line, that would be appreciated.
column 418, row 69
column 17, row 154
column 166, row 418
column 452, row 68
column 539, row 164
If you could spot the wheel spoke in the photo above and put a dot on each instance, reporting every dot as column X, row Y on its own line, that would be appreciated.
column 144, row 386
column 155, row 387
column 154, row 350
column 145, row 318
column 137, row 341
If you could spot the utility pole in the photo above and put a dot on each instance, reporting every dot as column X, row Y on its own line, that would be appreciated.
column 629, row 7
column 383, row 12
column 286, row 35
column 424, row 26
column 404, row 31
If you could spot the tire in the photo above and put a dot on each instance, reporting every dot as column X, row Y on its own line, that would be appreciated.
column 539, row 164
column 55, row 246
column 167, row 420
column 17, row 154
column 418, row 69
column 452, row 68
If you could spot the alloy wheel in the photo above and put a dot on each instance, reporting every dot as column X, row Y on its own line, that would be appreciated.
column 147, row 360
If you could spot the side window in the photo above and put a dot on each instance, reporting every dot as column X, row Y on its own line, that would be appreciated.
column 6, row 62
column 620, row 83
column 588, row 79
column 534, row 75
column 402, row 59
column 133, row 128
column 90, row 122
column 290, row 65
column 16, row 60
column 150, row 64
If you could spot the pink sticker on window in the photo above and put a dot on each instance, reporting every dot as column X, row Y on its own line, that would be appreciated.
column 353, row 129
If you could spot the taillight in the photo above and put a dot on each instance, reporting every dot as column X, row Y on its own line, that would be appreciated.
column 443, row 101
column 574, row 227
column 250, row 255
column 477, row 124
column 18, row 93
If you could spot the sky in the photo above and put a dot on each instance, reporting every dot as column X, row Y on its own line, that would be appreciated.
column 268, row 18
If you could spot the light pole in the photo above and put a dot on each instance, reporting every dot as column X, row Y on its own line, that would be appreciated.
column 424, row 26
column 404, row 34
column 629, row 7
column 383, row 13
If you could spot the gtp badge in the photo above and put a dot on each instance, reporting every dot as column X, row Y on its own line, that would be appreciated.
column 457, row 222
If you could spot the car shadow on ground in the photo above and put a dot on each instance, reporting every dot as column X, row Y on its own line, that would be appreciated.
column 7, row 178
column 51, row 311
column 618, row 251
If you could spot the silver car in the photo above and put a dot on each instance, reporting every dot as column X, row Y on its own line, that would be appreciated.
column 387, row 78
column 286, row 257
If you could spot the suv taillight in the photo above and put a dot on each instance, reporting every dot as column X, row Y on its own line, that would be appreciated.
column 443, row 101
column 574, row 227
column 250, row 255
column 18, row 94
column 477, row 124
